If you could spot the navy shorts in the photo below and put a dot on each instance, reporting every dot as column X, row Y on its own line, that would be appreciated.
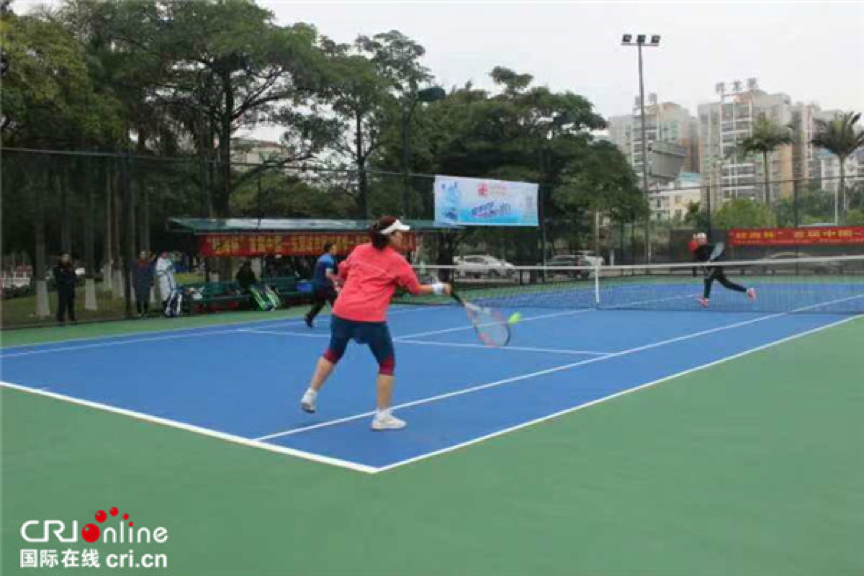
column 375, row 334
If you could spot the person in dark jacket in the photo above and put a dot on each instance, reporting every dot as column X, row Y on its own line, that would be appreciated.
column 65, row 278
column 269, row 265
column 246, row 277
column 142, row 277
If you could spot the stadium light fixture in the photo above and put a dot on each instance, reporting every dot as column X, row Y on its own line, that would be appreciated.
column 627, row 40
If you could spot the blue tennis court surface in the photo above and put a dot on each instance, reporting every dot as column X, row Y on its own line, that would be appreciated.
column 244, row 382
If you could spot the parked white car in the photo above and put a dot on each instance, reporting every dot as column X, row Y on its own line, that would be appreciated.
column 483, row 265
column 570, row 261
column 590, row 257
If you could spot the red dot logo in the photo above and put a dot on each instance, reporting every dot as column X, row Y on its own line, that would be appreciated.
column 130, row 523
column 125, row 516
column 90, row 533
column 101, row 516
column 114, row 511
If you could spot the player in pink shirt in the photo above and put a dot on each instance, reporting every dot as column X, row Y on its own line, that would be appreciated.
column 369, row 277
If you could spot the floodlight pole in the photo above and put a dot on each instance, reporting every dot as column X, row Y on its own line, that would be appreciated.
column 644, row 158
column 640, row 41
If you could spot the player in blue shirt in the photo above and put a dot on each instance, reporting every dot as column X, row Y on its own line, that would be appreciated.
column 323, row 282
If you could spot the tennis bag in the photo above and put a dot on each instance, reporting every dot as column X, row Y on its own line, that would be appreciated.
column 274, row 298
column 174, row 305
column 259, row 295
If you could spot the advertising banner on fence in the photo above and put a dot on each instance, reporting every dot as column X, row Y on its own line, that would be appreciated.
column 483, row 202
column 825, row 236
column 284, row 244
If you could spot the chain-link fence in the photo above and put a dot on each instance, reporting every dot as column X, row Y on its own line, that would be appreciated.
column 105, row 209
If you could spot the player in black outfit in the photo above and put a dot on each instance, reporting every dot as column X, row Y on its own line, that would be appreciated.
column 65, row 279
column 703, row 253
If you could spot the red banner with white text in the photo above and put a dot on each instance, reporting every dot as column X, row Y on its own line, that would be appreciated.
column 825, row 236
column 240, row 245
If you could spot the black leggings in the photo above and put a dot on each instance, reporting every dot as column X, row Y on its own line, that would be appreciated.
column 720, row 276
column 65, row 304
column 142, row 303
column 321, row 297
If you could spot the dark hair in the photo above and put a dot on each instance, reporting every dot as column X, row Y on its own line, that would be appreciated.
column 328, row 246
column 379, row 240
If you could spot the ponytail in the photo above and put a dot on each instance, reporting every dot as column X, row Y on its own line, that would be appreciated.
column 379, row 240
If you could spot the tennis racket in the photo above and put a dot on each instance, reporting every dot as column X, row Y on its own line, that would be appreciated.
column 490, row 325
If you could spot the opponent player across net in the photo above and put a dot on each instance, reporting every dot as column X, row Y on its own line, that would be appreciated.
column 709, row 253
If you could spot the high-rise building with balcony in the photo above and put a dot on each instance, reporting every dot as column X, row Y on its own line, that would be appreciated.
column 723, row 126
column 664, row 122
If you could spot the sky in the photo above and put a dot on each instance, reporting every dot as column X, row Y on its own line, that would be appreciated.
column 814, row 52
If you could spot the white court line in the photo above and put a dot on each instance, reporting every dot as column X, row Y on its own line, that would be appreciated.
column 115, row 340
column 273, row 332
column 607, row 398
column 361, row 467
column 122, row 342
column 140, row 332
column 553, row 370
column 194, row 429
column 505, row 348
column 446, row 344
column 469, row 327
column 544, row 316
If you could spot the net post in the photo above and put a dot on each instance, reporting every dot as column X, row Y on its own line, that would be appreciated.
column 597, row 283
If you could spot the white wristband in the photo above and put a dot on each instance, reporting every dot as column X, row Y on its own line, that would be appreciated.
column 438, row 288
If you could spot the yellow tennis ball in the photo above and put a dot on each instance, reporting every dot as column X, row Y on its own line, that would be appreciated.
column 514, row 318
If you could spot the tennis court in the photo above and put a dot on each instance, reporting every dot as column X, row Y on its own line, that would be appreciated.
column 467, row 403
column 243, row 382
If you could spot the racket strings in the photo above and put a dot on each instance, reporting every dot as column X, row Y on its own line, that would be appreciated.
column 490, row 325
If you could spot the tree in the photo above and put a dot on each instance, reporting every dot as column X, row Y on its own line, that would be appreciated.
column 49, row 101
column 360, row 97
column 603, row 183
column 765, row 139
column 228, row 65
column 519, row 132
column 289, row 195
column 840, row 137
column 697, row 218
column 397, row 58
column 371, row 85
column 855, row 217
column 814, row 206
column 743, row 213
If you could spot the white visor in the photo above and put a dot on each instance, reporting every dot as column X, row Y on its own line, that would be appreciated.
column 397, row 226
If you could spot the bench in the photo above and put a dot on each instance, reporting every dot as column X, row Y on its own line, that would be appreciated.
column 227, row 295
column 215, row 296
column 290, row 289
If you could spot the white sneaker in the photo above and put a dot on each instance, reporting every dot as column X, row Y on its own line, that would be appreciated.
column 307, row 404
column 388, row 422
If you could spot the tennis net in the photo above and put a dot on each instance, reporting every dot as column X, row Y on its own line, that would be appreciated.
column 807, row 285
